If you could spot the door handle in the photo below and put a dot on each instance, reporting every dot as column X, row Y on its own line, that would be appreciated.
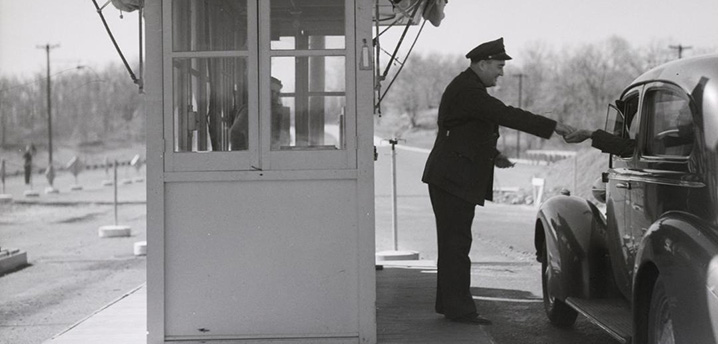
column 623, row 186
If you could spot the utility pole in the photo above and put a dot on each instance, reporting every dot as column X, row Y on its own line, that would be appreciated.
column 518, row 133
column 50, row 173
column 680, row 49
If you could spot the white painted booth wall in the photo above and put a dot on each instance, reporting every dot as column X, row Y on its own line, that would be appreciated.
column 283, row 252
column 264, row 267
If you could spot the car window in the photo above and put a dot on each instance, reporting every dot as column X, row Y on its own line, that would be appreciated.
column 630, row 108
column 670, row 123
column 618, row 124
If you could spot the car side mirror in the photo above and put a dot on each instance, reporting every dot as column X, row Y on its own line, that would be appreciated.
column 598, row 189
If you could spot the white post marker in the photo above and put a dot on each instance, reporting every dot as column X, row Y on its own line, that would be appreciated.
column 114, row 231
column 50, row 175
column 127, row 179
column 137, row 164
column 4, row 197
column 395, row 255
column 107, row 182
column 538, row 185
column 140, row 248
column 75, row 166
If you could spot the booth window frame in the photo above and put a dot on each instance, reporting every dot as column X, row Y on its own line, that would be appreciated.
column 260, row 156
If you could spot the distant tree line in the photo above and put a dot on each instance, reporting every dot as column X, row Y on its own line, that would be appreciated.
column 570, row 85
column 88, row 107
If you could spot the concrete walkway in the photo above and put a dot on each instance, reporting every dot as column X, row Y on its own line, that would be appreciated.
column 405, row 298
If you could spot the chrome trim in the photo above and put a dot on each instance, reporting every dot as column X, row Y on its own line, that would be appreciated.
column 652, row 177
column 615, row 334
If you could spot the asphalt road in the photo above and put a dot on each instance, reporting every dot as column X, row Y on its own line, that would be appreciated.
column 73, row 272
column 506, row 281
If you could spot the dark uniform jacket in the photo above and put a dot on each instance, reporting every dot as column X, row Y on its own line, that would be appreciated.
column 462, row 160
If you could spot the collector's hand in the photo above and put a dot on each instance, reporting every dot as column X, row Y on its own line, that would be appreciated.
column 501, row 161
column 563, row 129
column 578, row 136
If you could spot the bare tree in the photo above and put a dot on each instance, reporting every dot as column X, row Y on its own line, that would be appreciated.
column 87, row 105
column 420, row 85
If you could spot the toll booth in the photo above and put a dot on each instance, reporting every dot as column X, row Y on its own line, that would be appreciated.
column 260, row 194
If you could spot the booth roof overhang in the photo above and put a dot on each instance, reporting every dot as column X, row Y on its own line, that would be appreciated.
column 388, row 10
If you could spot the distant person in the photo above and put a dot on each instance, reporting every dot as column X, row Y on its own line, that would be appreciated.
column 460, row 169
column 27, row 162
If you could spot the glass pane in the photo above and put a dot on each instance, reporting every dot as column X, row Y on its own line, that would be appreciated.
column 210, row 104
column 671, row 124
column 630, row 108
column 208, row 25
column 307, row 24
column 308, row 103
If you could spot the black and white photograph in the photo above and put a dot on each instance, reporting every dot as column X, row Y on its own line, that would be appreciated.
column 358, row 172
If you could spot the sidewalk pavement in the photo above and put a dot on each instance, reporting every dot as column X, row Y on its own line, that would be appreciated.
column 404, row 306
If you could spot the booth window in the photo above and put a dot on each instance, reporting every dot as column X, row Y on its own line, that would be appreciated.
column 670, row 124
column 259, row 84
column 307, row 24
column 210, row 104
column 210, row 93
column 209, row 25
column 308, row 78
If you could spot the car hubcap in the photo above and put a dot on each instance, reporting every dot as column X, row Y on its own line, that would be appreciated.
column 665, row 329
column 547, row 286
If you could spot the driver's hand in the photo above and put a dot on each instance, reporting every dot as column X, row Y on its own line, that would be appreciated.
column 578, row 136
column 563, row 129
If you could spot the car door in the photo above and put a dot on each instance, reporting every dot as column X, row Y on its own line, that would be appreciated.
column 617, row 190
column 661, row 179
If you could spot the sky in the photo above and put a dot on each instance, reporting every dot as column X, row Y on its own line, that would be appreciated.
column 75, row 26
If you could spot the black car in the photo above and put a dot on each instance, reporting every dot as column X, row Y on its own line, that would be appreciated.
column 644, row 265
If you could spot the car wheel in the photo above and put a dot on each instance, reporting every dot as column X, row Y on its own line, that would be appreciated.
column 660, row 321
column 559, row 313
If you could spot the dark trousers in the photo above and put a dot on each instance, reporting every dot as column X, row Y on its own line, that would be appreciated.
column 453, row 231
column 28, row 171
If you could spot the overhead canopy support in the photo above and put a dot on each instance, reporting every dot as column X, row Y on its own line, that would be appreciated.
column 390, row 11
column 127, row 6
column 401, row 12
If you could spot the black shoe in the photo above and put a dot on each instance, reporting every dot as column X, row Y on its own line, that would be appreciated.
column 472, row 319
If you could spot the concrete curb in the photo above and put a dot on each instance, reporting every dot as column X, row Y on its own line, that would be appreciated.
column 12, row 260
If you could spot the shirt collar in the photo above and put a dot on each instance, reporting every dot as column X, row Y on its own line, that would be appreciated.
column 474, row 76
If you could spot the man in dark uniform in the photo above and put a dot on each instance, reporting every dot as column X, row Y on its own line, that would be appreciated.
column 460, row 169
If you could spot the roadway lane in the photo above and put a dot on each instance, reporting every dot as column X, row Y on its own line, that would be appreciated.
column 505, row 275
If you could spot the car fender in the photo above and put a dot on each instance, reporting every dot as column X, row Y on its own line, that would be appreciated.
column 572, row 229
column 683, row 249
